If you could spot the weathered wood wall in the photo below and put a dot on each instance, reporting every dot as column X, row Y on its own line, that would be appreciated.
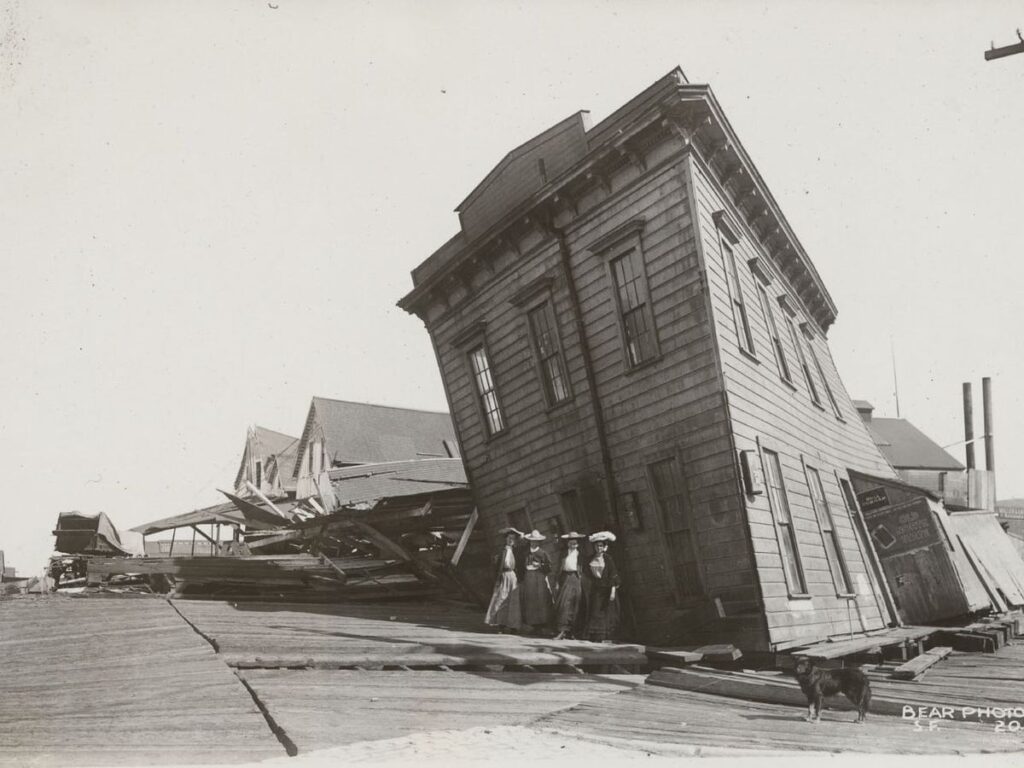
column 671, row 407
column 767, row 411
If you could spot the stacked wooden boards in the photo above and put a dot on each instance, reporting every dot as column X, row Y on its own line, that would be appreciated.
column 650, row 715
column 407, row 633
column 325, row 708
column 107, row 681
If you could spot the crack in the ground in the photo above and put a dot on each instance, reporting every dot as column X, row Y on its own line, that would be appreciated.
column 279, row 733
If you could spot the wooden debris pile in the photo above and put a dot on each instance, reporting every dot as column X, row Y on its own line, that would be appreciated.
column 377, row 531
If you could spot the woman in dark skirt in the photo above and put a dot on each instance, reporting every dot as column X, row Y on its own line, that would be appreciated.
column 600, row 584
column 535, row 589
column 567, row 602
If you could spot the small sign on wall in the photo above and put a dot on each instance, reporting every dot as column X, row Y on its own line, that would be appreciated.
column 753, row 475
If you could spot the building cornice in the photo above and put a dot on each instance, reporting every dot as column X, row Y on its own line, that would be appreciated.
column 688, row 114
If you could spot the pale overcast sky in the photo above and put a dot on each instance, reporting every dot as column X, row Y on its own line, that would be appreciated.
column 209, row 209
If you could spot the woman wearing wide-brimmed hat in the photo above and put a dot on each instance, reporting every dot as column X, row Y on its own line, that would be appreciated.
column 570, row 592
column 505, row 611
column 535, row 590
column 601, row 582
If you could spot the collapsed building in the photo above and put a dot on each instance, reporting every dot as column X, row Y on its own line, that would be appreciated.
column 631, row 336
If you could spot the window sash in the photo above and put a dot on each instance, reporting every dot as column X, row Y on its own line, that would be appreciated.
column 487, row 394
column 779, row 504
column 802, row 359
column 830, row 536
column 824, row 381
column 549, row 354
column 773, row 331
column 634, row 307
column 739, row 308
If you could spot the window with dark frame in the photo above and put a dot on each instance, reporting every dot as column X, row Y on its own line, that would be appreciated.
column 634, row 307
column 779, row 504
column 487, row 394
column 571, row 510
column 833, row 548
column 548, row 349
column 824, row 381
column 739, row 309
column 670, row 498
column 520, row 520
column 773, row 331
column 802, row 359
column 259, row 474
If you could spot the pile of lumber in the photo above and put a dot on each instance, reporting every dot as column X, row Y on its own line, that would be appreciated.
column 267, row 575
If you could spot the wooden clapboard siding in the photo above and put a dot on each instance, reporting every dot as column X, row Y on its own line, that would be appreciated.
column 765, row 409
column 671, row 407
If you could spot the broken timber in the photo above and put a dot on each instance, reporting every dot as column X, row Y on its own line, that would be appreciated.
column 917, row 666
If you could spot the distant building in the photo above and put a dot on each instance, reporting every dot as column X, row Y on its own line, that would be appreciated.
column 268, row 462
column 339, row 433
column 917, row 458
column 631, row 336
column 922, row 462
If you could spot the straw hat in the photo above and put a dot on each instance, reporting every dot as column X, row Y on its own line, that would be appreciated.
column 510, row 529
column 572, row 535
column 605, row 536
column 535, row 535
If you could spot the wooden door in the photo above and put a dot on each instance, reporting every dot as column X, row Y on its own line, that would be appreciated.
column 677, row 527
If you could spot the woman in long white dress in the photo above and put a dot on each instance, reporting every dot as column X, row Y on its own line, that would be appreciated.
column 505, row 611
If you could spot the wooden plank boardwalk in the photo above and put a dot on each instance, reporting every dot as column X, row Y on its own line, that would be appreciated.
column 109, row 681
column 651, row 715
column 325, row 708
column 420, row 634
column 974, row 680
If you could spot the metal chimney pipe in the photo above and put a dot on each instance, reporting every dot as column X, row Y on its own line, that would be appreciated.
column 969, row 424
column 986, row 405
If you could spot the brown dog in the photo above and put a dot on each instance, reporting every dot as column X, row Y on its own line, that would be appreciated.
column 819, row 683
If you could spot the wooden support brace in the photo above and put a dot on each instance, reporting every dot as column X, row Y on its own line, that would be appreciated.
column 208, row 538
column 464, row 539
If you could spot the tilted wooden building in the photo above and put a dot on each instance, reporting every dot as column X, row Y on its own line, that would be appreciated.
column 630, row 335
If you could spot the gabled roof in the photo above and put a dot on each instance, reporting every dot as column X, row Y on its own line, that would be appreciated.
column 361, row 433
column 907, row 447
column 369, row 482
column 267, row 443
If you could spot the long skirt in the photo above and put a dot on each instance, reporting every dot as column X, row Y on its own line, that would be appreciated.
column 536, row 599
column 567, row 604
column 504, row 610
column 601, row 616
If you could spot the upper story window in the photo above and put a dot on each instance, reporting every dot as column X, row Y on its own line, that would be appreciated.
column 829, row 535
column 635, row 315
column 548, row 349
column 824, row 382
column 802, row 359
column 487, row 393
column 259, row 474
column 739, row 309
column 779, row 503
column 773, row 331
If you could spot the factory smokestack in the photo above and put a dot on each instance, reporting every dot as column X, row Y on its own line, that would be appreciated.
column 986, row 406
column 969, row 425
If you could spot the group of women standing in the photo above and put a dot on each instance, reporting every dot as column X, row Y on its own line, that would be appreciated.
column 576, row 599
